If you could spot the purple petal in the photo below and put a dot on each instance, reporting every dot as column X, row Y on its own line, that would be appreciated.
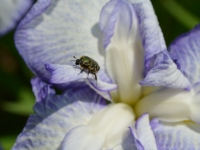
column 166, row 74
column 41, row 89
column 55, row 31
column 174, row 136
column 117, row 21
column 106, row 12
column 185, row 52
column 151, row 34
column 143, row 134
column 64, row 74
column 156, row 55
column 128, row 144
column 57, row 115
column 117, row 14
column 11, row 12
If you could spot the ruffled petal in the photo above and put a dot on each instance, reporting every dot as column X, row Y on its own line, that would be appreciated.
column 143, row 135
column 155, row 51
column 185, row 52
column 55, row 31
column 57, row 115
column 41, row 89
column 166, row 74
column 64, row 74
column 11, row 12
column 124, row 53
column 151, row 34
column 174, row 136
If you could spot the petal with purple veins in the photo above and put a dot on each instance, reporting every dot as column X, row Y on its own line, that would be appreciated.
column 150, row 31
column 155, row 51
column 173, row 136
column 185, row 52
column 165, row 74
column 51, row 33
column 57, row 115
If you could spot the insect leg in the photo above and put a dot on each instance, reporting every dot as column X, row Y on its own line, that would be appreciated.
column 81, row 71
column 95, row 76
column 88, row 74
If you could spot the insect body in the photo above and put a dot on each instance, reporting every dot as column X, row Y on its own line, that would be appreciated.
column 88, row 64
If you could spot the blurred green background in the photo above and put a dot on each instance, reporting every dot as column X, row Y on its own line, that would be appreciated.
column 16, row 97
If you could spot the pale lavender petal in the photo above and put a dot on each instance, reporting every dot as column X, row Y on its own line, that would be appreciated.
column 128, row 144
column 57, row 115
column 150, row 31
column 11, row 12
column 41, row 89
column 156, row 59
column 117, row 10
column 55, row 31
column 143, row 134
column 105, row 13
column 174, row 136
column 166, row 74
column 156, row 55
column 65, row 74
column 185, row 52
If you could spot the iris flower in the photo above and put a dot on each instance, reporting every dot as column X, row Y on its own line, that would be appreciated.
column 153, row 92
column 11, row 11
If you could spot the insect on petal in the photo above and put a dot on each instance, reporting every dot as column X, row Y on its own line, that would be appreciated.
column 66, row 74
column 51, row 33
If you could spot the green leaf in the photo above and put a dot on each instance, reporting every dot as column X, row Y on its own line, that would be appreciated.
column 8, row 141
column 23, row 106
column 186, row 18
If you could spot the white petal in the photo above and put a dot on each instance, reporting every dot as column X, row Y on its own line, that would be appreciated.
column 167, row 104
column 83, row 138
column 124, row 54
column 113, row 122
